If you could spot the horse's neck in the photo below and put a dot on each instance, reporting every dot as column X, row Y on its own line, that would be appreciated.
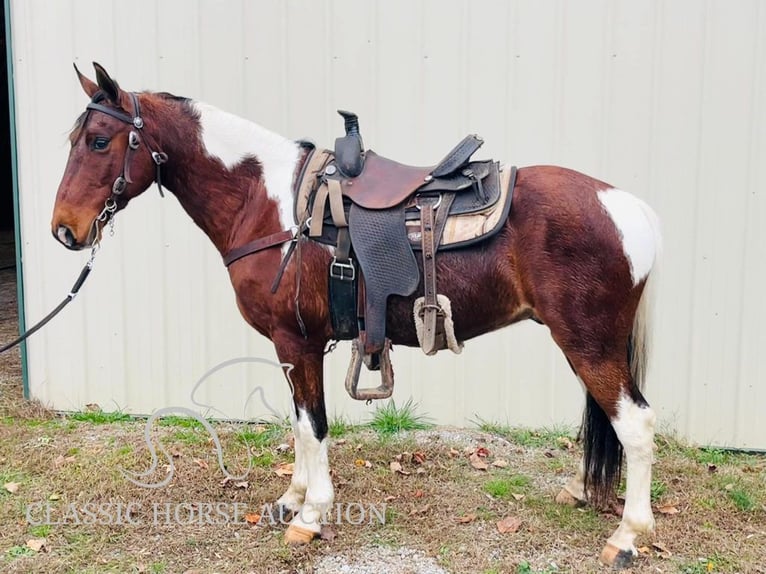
column 233, row 177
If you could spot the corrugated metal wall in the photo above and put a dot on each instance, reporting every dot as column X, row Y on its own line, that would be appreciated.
column 665, row 99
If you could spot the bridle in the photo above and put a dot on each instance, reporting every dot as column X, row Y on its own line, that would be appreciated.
column 135, row 138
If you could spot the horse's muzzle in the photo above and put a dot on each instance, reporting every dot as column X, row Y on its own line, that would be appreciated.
column 67, row 238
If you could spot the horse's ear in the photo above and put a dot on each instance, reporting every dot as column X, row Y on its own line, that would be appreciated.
column 88, row 85
column 110, row 87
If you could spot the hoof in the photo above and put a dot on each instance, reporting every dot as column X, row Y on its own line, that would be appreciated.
column 616, row 558
column 299, row 535
column 567, row 499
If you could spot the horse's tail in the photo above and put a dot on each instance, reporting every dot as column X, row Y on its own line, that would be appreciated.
column 602, row 459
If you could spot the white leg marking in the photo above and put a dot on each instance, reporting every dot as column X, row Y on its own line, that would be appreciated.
column 319, row 492
column 634, row 426
column 296, row 493
column 232, row 139
column 638, row 227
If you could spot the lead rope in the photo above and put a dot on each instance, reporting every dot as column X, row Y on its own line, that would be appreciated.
column 110, row 206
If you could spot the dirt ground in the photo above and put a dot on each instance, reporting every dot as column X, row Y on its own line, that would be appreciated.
column 412, row 502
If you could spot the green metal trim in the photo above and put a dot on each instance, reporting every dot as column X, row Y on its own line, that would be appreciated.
column 16, row 203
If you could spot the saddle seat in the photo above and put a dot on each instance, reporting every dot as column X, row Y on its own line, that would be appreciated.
column 384, row 183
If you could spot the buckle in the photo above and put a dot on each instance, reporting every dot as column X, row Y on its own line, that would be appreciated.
column 342, row 271
column 422, row 199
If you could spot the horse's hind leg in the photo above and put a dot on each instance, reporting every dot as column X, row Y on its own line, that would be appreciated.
column 608, row 355
column 614, row 400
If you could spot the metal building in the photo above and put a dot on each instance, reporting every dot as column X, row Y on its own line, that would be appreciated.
column 664, row 99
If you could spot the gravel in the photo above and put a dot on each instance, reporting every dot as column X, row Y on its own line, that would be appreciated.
column 377, row 560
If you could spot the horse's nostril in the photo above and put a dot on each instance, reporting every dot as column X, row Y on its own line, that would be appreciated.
column 65, row 235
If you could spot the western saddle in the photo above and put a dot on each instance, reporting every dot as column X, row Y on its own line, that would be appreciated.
column 377, row 212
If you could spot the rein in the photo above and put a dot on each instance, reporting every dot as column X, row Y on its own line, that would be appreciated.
column 110, row 205
column 102, row 217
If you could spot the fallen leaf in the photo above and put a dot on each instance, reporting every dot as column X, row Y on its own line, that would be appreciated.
column 729, row 486
column 453, row 453
column 396, row 467
column 284, row 447
column 93, row 408
column 662, row 551
column 389, row 498
column 201, row 463
column 37, row 544
column 242, row 484
column 54, row 497
column 477, row 462
column 327, row 532
column 482, row 452
column 285, row 469
column 548, row 454
column 711, row 468
column 644, row 550
column 667, row 509
column 418, row 493
column 422, row 510
column 465, row 519
column 11, row 487
column 252, row 518
column 418, row 457
column 61, row 460
column 565, row 443
column 500, row 463
column 518, row 496
column 509, row 524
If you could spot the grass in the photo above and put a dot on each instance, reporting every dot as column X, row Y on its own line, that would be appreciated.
column 552, row 437
column 339, row 427
column 506, row 487
column 720, row 518
column 100, row 417
column 390, row 419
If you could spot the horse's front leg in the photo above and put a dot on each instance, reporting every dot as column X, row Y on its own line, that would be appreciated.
column 310, row 494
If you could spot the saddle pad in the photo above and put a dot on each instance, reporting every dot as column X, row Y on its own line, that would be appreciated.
column 462, row 230
column 387, row 261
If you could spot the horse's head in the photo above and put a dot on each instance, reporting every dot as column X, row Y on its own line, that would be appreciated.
column 107, row 166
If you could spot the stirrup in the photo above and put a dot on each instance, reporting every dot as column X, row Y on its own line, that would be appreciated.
column 386, row 387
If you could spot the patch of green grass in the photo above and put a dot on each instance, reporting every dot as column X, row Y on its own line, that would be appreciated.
column 179, row 421
column 390, row 419
column 657, row 490
column 18, row 551
column 158, row 568
column 40, row 531
column 505, row 487
column 261, row 436
column 742, row 499
column 714, row 563
column 100, row 417
column 190, row 436
column 339, row 427
column 526, row 568
column 263, row 460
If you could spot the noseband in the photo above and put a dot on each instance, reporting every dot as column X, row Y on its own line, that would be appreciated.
column 134, row 142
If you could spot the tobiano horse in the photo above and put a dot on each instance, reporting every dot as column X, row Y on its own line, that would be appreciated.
column 574, row 254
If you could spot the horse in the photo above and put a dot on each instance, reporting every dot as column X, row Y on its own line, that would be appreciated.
column 574, row 253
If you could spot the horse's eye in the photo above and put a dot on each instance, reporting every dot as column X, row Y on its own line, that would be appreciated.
column 99, row 143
